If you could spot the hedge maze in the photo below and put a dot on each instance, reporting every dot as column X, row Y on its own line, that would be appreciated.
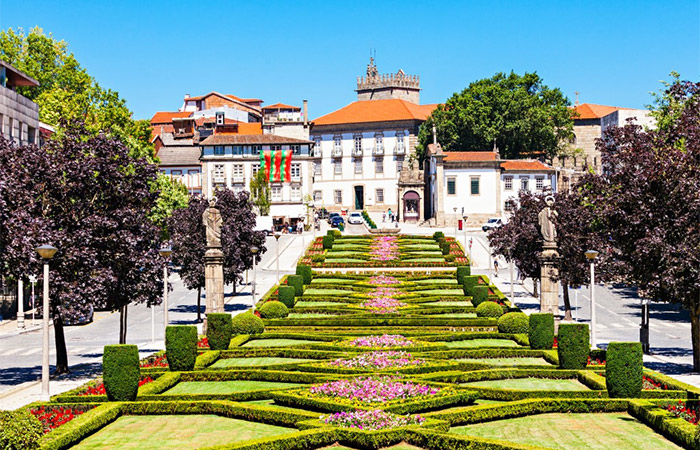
column 372, row 360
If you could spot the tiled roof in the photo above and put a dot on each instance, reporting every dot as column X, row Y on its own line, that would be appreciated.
column 162, row 117
column 470, row 156
column 376, row 111
column 591, row 111
column 179, row 156
column 529, row 165
column 254, row 139
column 282, row 106
column 226, row 96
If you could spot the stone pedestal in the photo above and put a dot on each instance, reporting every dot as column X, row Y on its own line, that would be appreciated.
column 549, row 289
column 214, row 280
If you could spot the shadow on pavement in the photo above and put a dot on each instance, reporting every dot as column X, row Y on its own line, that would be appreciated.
column 18, row 375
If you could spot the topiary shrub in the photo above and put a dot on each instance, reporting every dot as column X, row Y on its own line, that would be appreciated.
column 573, row 345
column 468, row 284
column 462, row 272
column 541, row 331
column 327, row 242
column 286, row 295
column 438, row 235
column 219, row 330
column 19, row 430
column 624, row 369
column 334, row 233
column 181, row 346
column 121, row 372
column 514, row 323
column 273, row 310
column 296, row 281
column 305, row 272
column 247, row 323
column 480, row 294
column 445, row 247
column 489, row 309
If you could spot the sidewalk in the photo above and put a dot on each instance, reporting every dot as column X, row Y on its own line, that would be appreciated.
column 8, row 327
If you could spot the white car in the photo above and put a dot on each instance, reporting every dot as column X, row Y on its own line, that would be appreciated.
column 355, row 218
column 492, row 224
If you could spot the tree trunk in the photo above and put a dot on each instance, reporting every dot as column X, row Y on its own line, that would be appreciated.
column 199, row 304
column 122, row 324
column 534, row 288
column 695, row 336
column 61, row 351
column 567, row 301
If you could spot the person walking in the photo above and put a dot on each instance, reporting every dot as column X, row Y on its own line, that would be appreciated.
column 495, row 267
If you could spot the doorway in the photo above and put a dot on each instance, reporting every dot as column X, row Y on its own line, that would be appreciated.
column 359, row 198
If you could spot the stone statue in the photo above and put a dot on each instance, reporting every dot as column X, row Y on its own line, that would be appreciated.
column 547, row 228
column 212, row 221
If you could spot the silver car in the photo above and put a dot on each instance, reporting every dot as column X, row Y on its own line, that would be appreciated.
column 355, row 218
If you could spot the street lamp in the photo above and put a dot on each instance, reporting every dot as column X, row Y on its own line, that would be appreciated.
column 165, row 253
column 277, row 250
column 20, row 303
column 464, row 225
column 254, row 250
column 313, row 218
column 455, row 211
column 591, row 255
column 46, row 252
column 33, row 279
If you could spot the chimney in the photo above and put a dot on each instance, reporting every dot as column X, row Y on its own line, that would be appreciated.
column 187, row 95
column 305, row 111
column 495, row 149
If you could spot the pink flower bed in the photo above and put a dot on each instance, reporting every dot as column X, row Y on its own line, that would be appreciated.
column 371, row 420
column 374, row 389
column 383, row 341
column 384, row 248
column 382, row 301
column 383, row 280
column 378, row 360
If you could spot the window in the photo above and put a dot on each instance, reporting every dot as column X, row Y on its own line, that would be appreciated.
column 338, row 196
column 256, row 169
column 296, row 171
column 524, row 183
column 399, row 164
column 509, row 206
column 317, row 145
column 176, row 173
column 379, row 142
column 400, row 146
column 539, row 183
column 219, row 150
column 338, row 168
column 257, row 149
column 358, row 166
column 238, row 150
column 337, row 144
column 357, row 144
column 276, row 193
column 317, row 169
column 508, row 183
column 451, row 186
column 380, row 195
column 296, row 192
column 238, row 174
column 474, row 183
column 317, row 196
column 275, row 148
column 218, row 174
column 296, row 149
column 379, row 165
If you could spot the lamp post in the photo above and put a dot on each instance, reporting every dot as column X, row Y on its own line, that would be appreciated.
column 313, row 218
column 512, row 294
column 20, row 303
column 591, row 255
column 165, row 253
column 254, row 250
column 464, row 224
column 277, row 251
column 455, row 211
column 46, row 252
column 33, row 279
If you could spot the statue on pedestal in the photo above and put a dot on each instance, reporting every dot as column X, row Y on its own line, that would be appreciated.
column 213, row 259
column 549, row 259
column 212, row 222
column 547, row 228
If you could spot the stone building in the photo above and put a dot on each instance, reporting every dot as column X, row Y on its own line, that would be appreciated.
column 19, row 116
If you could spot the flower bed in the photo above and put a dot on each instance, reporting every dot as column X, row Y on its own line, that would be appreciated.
column 682, row 410
column 378, row 361
column 383, row 280
column 383, row 305
column 384, row 248
column 383, row 341
column 99, row 388
column 373, row 389
column 52, row 417
column 371, row 420
column 650, row 385
column 203, row 343
column 155, row 361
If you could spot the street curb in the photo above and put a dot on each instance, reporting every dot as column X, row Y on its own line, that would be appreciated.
column 24, row 331
column 19, row 388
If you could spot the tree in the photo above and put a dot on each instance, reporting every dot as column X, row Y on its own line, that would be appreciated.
column 520, row 114
column 89, row 197
column 173, row 196
column 260, row 190
column 648, row 198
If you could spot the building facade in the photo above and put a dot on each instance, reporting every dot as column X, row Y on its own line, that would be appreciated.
column 19, row 116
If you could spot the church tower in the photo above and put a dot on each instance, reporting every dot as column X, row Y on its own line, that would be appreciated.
column 375, row 86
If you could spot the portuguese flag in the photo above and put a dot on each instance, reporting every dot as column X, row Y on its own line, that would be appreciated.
column 277, row 164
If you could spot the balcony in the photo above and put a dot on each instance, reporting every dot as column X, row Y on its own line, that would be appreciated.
column 378, row 150
column 216, row 179
column 399, row 150
column 357, row 152
column 337, row 152
column 238, row 179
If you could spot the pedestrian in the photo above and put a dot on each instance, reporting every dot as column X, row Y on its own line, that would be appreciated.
column 391, row 215
column 383, row 216
column 495, row 267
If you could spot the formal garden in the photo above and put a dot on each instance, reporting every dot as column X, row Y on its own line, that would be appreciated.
column 430, row 358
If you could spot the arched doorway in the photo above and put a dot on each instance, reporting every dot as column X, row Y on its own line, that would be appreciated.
column 411, row 206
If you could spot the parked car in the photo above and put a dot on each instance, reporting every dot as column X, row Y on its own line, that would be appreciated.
column 264, row 223
column 355, row 218
column 331, row 216
column 82, row 318
column 492, row 224
column 337, row 219
column 322, row 213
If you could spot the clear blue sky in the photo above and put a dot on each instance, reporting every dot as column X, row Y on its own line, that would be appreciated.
column 154, row 52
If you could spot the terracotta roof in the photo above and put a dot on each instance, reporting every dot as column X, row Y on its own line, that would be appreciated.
column 591, row 111
column 162, row 117
column 377, row 111
column 470, row 156
column 255, row 139
column 226, row 96
column 282, row 106
column 529, row 165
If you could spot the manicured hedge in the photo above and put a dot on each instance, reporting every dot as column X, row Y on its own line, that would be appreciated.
column 296, row 281
column 468, row 283
column 463, row 271
column 489, row 309
column 514, row 323
column 219, row 330
column 624, row 369
column 19, row 430
column 573, row 345
column 121, row 372
column 181, row 346
column 438, row 235
column 247, row 323
column 327, row 242
column 305, row 272
column 480, row 294
column 541, row 333
column 273, row 310
column 286, row 295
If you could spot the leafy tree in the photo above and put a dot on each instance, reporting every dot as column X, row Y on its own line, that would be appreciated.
column 260, row 189
column 519, row 113
column 173, row 196
column 88, row 197
column 648, row 199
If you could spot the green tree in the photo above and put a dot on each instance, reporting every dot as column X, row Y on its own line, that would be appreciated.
column 519, row 113
column 173, row 195
column 260, row 191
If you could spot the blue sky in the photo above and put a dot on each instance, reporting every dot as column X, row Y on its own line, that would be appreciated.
column 152, row 53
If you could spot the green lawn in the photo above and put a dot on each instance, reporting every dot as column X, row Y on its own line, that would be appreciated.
column 399, row 446
column 427, row 260
column 440, row 292
column 271, row 404
column 320, row 303
column 276, row 342
column 617, row 431
column 507, row 362
column 257, row 361
column 333, row 281
column 447, row 303
column 308, row 315
column 176, row 432
column 469, row 343
column 346, row 260
column 531, row 384
column 437, row 281
column 455, row 315
column 227, row 387
column 315, row 291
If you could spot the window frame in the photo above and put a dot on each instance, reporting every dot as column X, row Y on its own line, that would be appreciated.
column 453, row 180
column 472, row 179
